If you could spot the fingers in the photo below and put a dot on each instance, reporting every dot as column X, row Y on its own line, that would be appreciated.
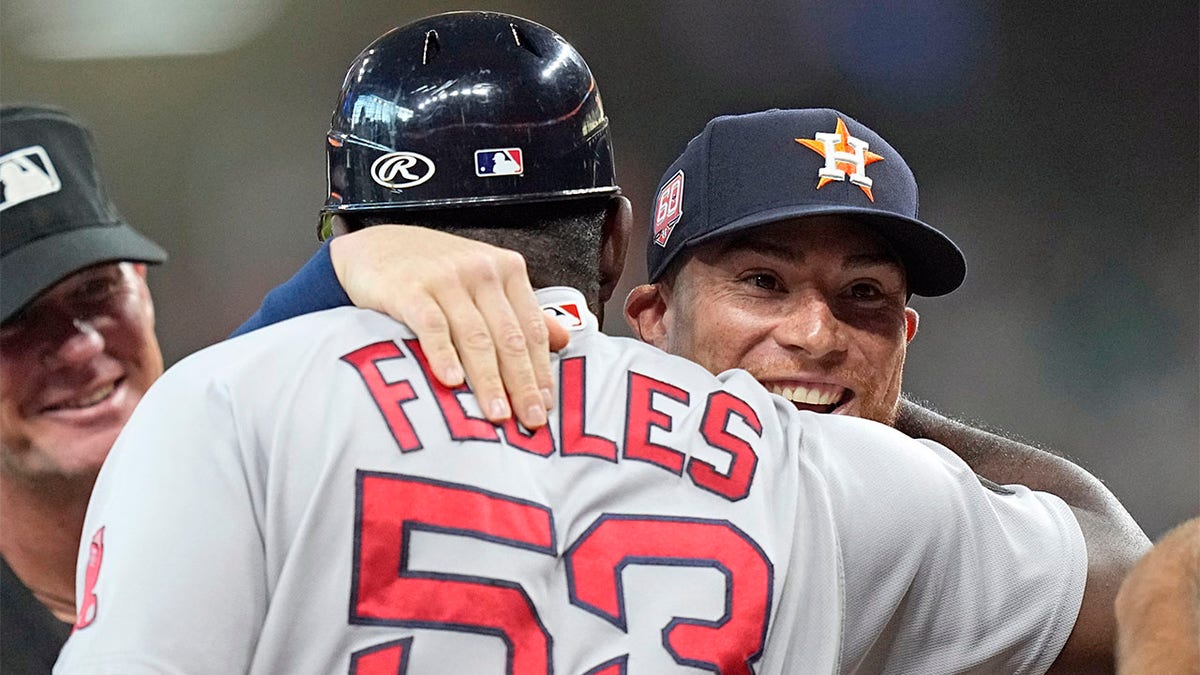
column 424, row 317
column 519, row 337
column 471, row 306
column 559, row 336
column 493, row 333
column 470, row 338
column 537, row 328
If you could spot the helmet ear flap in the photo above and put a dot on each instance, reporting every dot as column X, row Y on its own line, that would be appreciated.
column 467, row 108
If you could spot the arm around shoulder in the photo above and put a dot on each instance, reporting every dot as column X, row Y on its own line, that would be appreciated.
column 1114, row 540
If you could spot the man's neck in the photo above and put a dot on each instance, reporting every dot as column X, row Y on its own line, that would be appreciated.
column 40, row 527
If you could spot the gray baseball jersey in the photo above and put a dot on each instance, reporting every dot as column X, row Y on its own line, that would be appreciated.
column 305, row 499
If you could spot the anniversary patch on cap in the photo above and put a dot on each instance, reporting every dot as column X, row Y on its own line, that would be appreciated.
column 668, row 208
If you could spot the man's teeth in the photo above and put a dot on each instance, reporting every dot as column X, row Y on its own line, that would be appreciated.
column 91, row 399
column 809, row 395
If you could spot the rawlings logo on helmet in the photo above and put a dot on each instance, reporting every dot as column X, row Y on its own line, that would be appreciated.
column 402, row 169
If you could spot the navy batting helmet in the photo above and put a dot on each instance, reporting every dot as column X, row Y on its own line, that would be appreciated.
column 467, row 108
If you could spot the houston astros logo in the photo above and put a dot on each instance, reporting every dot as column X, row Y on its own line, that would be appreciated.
column 846, row 157
column 402, row 170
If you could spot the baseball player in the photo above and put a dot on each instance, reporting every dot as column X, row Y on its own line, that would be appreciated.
column 308, row 498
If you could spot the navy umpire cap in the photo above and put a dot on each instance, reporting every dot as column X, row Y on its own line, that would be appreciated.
column 748, row 170
column 55, row 216
column 467, row 109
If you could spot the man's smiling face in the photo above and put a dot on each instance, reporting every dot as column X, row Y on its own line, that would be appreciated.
column 813, row 308
column 73, row 364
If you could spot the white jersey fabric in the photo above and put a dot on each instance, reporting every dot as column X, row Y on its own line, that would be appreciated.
column 303, row 499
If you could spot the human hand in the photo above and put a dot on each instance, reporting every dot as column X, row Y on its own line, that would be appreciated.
column 470, row 305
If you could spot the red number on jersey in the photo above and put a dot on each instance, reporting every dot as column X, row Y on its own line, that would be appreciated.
column 385, row 592
column 595, row 562
column 390, row 507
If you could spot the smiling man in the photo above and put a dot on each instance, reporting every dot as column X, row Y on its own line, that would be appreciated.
column 828, row 334
column 787, row 243
column 77, row 352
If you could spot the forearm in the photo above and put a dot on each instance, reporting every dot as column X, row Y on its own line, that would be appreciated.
column 1158, row 607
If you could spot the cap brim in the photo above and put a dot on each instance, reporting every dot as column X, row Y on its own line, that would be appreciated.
column 933, row 264
column 31, row 269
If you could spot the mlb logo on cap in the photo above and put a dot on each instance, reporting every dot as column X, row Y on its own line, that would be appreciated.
column 668, row 208
column 499, row 162
column 27, row 174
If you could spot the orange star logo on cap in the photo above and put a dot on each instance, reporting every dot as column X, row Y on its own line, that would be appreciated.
column 846, row 158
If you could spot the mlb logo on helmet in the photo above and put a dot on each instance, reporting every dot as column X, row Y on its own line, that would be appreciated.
column 499, row 162
column 668, row 208
column 27, row 174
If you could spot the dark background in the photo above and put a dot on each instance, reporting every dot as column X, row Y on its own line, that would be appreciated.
column 1055, row 142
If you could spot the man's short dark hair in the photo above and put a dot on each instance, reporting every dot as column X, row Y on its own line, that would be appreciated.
column 559, row 239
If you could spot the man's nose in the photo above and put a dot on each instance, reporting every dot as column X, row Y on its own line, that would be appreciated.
column 74, row 340
column 811, row 326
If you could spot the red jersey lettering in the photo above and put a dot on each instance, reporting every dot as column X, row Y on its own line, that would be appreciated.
column 573, row 415
column 462, row 426
column 643, row 416
column 389, row 396
column 735, row 484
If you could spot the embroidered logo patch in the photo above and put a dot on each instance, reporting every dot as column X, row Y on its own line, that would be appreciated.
column 499, row 162
column 27, row 174
column 569, row 314
column 668, row 208
column 398, row 170
column 846, row 158
column 88, row 608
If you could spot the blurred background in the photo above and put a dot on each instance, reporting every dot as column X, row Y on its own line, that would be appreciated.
column 1055, row 142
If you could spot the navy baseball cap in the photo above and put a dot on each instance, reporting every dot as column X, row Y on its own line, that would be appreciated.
column 55, row 216
column 748, row 170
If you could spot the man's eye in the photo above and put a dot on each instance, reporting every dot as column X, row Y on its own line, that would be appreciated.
column 95, row 290
column 767, row 282
column 864, row 290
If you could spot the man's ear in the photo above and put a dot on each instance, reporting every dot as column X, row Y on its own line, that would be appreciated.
column 614, row 242
column 331, row 225
column 646, row 313
column 911, row 318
